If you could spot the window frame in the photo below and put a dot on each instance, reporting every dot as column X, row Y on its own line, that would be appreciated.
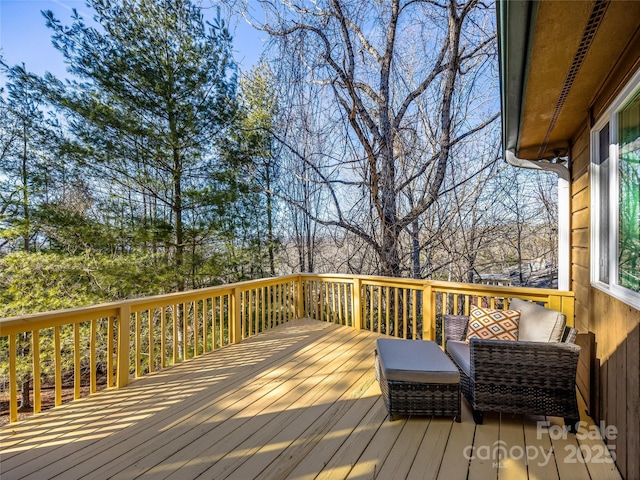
column 610, row 117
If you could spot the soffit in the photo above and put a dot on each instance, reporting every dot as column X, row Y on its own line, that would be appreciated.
column 556, row 41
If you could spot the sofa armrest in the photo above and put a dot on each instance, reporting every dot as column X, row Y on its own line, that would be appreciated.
column 569, row 335
column 455, row 327
column 537, row 364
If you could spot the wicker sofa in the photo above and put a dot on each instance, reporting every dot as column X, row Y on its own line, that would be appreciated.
column 520, row 377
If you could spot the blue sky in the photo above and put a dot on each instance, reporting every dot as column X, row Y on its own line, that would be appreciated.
column 24, row 38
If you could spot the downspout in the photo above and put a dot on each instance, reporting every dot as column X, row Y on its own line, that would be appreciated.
column 564, row 213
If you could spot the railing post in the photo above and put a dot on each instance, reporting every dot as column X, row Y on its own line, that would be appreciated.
column 124, row 326
column 554, row 302
column 357, row 304
column 564, row 304
column 569, row 309
column 236, row 327
column 299, row 299
column 428, row 312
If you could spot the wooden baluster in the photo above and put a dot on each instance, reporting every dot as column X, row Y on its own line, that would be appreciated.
column 163, row 335
column 93, row 358
column 58, row 365
column 110, row 343
column 77, row 374
column 357, row 304
column 137, row 344
column 287, row 302
column 214, row 319
column 405, row 312
column 318, row 285
column 263, row 308
column 428, row 314
column 227, row 305
column 347, row 299
column 152, row 352
column 396, row 311
column 379, row 309
column 185, row 331
column 122, row 354
column 174, row 319
column 371, row 298
column 414, row 314
column 37, row 400
column 387, row 310
column 300, row 298
column 445, row 306
column 326, row 305
column 13, row 381
column 340, row 316
column 205, row 326
column 196, row 327
column 236, row 325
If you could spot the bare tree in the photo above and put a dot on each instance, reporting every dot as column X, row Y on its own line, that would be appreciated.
column 302, row 142
column 378, row 64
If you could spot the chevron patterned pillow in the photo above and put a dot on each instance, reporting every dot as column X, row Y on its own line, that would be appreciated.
column 491, row 324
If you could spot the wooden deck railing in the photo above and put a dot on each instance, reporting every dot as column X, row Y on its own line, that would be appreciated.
column 407, row 308
column 135, row 337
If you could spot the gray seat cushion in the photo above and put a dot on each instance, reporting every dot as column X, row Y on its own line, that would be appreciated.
column 538, row 324
column 416, row 361
column 461, row 354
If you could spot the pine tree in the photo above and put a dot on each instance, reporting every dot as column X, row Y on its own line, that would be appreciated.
column 256, row 138
column 152, row 95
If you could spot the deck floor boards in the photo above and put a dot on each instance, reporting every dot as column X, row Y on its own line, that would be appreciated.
column 297, row 402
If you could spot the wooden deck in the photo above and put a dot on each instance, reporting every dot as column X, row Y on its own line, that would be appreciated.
column 299, row 401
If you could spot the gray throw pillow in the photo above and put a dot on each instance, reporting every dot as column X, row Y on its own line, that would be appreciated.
column 538, row 324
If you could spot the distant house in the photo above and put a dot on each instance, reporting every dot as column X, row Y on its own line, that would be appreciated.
column 570, row 87
column 493, row 279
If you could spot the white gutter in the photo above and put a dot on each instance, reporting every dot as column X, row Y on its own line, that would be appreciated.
column 564, row 211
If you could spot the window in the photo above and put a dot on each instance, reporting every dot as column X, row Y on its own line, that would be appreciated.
column 629, row 166
column 615, row 173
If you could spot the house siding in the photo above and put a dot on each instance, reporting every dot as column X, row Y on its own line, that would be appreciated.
column 580, row 254
column 609, row 369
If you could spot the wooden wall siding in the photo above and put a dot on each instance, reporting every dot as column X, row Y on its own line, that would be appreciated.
column 617, row 332
column 609, row 369
column 580, row 239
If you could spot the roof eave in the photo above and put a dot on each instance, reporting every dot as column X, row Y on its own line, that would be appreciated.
column 515, row 20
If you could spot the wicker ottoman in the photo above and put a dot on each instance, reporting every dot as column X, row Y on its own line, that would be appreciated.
column 417, row 378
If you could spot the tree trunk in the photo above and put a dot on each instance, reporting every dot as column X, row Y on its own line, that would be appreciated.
column 390, row 255
column 415, row 248
column 177, row 210
column 270, row 237
column 388, row 195
column 25, row 190
column 309, row 240
column 25, row 403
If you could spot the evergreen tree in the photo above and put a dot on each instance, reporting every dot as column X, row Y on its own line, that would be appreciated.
column 23, row 169
column 152, row 97
column 256, row 138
